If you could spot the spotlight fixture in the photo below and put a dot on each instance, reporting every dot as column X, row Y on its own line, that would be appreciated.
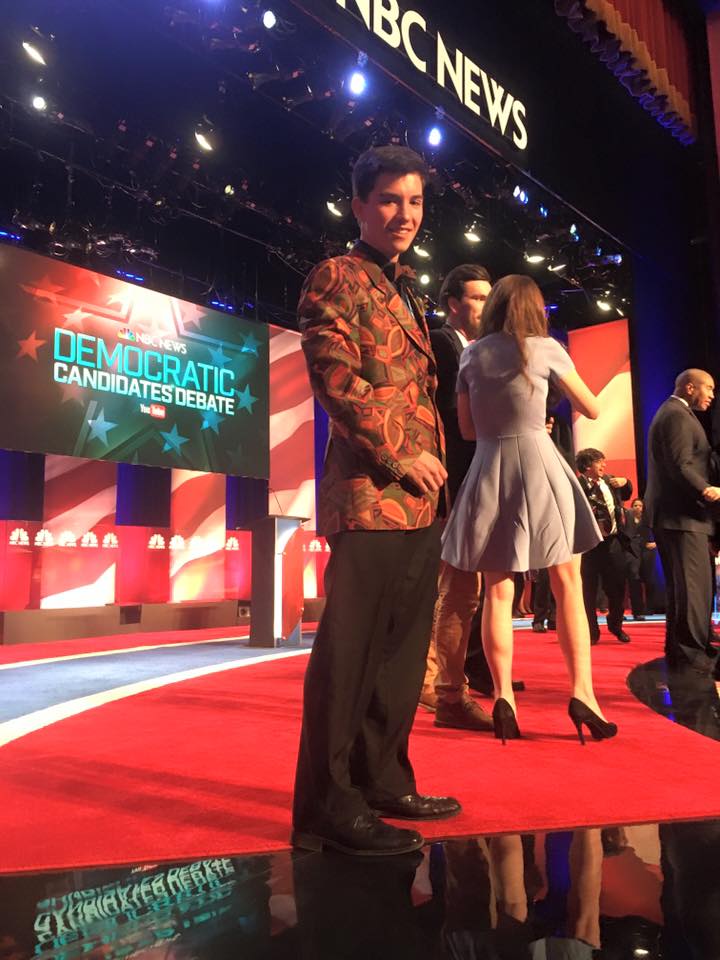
column 422, row 251
column 472, row 232
column 543, row 211
column 205, row 136
column 434, row 136
column 34, row 53
column 557, row 267
column 39, row 103
column 337, row 204
column 12, row 237
column 534, row 257
column 424, row 279
column 521, row 195
column 357, row 83
column 269, row 20
column 229, row 190
column 603, row 305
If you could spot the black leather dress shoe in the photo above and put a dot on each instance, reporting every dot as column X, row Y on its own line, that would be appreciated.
column 415, row 806
column 365, row 836
column 539, row 627
column 622, row 636
column 594, row 638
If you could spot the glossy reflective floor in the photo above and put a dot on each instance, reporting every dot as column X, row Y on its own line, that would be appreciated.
column 618, row 892
column 643, row 891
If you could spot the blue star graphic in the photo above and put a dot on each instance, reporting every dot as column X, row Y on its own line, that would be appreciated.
column 173, row 440
column 218, row 357
column 251, row 345
column 210, row 420
column 99, row 427
column 246, row 399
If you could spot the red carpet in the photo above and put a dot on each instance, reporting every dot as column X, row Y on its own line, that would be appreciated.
column 205, row 767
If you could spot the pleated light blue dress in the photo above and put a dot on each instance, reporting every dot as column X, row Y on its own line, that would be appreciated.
column 520, row 507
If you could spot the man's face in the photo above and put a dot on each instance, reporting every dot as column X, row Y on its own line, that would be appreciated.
column 596, row 470
column 701, row 393
column 392, row 213
column 466, row 312
column 637, row 508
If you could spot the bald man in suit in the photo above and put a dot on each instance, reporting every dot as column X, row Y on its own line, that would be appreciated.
column 678, row 501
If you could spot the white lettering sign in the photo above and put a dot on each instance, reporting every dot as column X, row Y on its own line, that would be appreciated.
column 458, row 73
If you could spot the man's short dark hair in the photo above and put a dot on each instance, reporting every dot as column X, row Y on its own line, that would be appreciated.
column 454, row 283
column 390, row 159
column 587, row 457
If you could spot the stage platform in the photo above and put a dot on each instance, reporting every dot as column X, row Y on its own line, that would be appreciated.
column 145, row 801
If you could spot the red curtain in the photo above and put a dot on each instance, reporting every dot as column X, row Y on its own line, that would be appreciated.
column 658, row 27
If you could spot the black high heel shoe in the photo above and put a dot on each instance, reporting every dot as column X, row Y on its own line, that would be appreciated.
column 504, row 721
column 580, row 713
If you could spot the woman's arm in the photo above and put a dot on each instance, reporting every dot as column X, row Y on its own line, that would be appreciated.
column 579, row 394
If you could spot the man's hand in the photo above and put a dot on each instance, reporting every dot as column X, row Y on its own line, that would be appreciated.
column 427, row 473
column 711, row 494
column 651, row 546
column 617, row 482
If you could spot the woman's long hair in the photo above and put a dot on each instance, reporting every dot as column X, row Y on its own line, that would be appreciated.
column 516, row 307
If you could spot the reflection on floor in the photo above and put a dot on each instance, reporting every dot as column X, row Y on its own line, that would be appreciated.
column 643, row 891
column 686, row 697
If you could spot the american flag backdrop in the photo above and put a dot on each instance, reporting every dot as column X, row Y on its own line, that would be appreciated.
column 76, row 558
column 292, row 443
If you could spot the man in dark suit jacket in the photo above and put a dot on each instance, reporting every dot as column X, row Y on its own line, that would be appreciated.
column 605, row 563
column 640, row 553
column 677, row 498
column 371, row 367
column 445, row 688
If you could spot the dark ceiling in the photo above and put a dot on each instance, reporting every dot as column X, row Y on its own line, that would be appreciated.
column 110, row 175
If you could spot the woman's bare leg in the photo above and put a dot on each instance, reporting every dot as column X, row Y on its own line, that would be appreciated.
column 497, row 632
column 573, row 630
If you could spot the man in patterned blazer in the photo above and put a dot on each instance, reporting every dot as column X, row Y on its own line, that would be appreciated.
column 371, row 367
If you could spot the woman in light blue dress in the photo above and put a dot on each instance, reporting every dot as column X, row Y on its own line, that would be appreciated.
column 521, row 507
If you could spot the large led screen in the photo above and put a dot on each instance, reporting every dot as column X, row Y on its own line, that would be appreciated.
column 95, row 367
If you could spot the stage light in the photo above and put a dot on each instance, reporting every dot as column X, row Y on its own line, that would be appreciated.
column 611, row 259
column 422, row 251
column 516, row 191
column 544, row 212
column 203, row 141
column 472, row 232
column 39, row 103
column 7, row 235
column 522, row 196
column 424, row 279
column 573, row 230
column 357, row 83
column 557, row 267
column 435, row 136
column 534, row 257
column 269, row 20
column 32, row 51
column 604, row 305
column 337, row 204
column 229, row 190
column 221, row 305
column 135, row 277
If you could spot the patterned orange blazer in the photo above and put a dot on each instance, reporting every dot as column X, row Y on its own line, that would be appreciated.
column 372, row 368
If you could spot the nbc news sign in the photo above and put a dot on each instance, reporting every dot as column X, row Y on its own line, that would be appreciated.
column 455, row 72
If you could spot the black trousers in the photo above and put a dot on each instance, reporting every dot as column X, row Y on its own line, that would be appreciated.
column 365, row 672
column 543, row 599
column 685, row 562
column 604, row 564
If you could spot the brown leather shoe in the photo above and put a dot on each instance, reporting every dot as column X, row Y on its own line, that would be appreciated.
column 428, row 700
column 466, row 714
